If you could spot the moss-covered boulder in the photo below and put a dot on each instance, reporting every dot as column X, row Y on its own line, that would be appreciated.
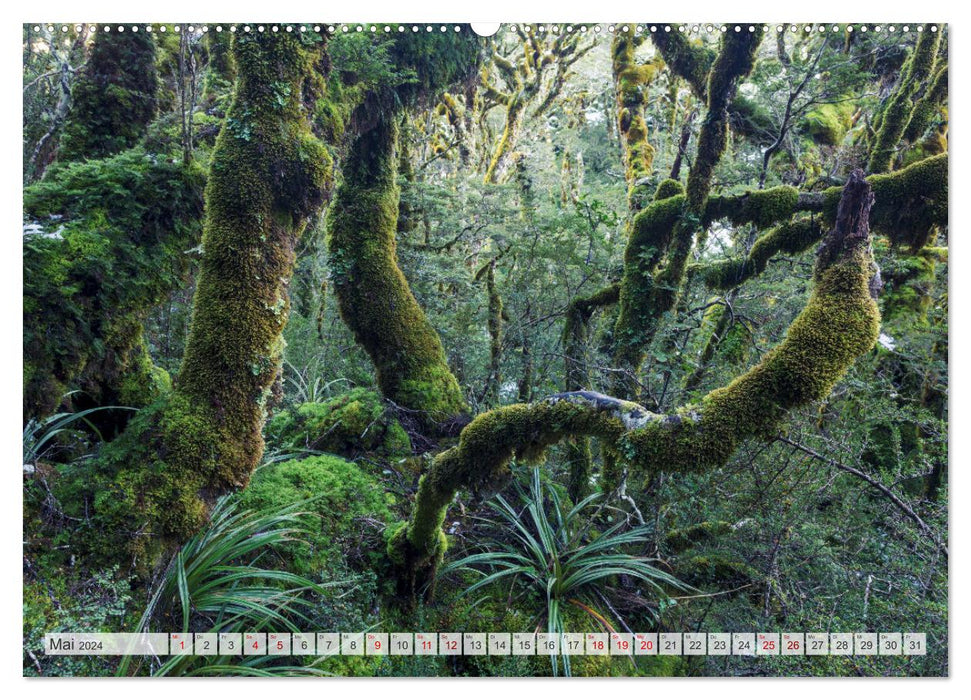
column 342, row 506
column 358, row 422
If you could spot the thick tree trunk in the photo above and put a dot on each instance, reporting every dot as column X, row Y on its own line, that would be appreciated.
column 374, row 297
column 268, row 175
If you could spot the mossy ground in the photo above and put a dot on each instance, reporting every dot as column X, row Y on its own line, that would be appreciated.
column 358, row 422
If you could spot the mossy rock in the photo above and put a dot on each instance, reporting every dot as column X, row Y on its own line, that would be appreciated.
column 335, row 496
column 358, row 422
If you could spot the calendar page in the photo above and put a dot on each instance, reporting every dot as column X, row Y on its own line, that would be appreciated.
column 485, row 350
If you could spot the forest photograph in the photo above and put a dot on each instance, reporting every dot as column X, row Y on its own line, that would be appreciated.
column 347, row 343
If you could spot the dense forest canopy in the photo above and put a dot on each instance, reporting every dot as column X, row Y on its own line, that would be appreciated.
column 574, row 328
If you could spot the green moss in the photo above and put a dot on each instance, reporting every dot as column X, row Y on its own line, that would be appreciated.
column 691, row 61
column 791, row 238
column 631, row 82
column 650, row 237
column 827, row 124
column 668, row 188
column 910, row 204
column 268, row 174
column 898, row 108
column 667, row 228
column 717, row 570
column 143, row 382
column 928, row 106
column 109, row 246
column 575, row 332
column 839, row 323
column 358, row 422
column 332, row 494
column 374, row 297
column 766, row 207
column 114, row 97
column 153, row 486
column 752, row 120
column 908, row 284
column 684, row 538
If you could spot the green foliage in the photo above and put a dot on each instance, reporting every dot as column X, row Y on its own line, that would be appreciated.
column 111, row 251
column 828, row 123
column 66, row 603
column 350, row 424
column 215, row 583
column 43, row 437
column 105, row 242
column 561, row 561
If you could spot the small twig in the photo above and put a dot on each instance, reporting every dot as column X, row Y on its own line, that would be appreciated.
column 907, row 510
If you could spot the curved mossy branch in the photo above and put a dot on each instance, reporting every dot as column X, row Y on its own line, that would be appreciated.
column 910, row 204
column 792, row 238
column 839, row 323
column 927, row 106
column 375, row 300
column 896, row 115
column 649, row 291
column 268, row 175
column 718, row 333
column 576, row 331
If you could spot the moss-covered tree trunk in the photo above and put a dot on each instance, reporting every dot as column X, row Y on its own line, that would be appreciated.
column 268, row 174
column 839, row 323
column 76, row 335
column 374, row 297
column 631, row 82
column 900, row 106
column 125, row 219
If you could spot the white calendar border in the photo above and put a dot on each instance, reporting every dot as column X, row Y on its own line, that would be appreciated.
column 449, row 11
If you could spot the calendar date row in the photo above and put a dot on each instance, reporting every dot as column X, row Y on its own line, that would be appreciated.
column 489, row 643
